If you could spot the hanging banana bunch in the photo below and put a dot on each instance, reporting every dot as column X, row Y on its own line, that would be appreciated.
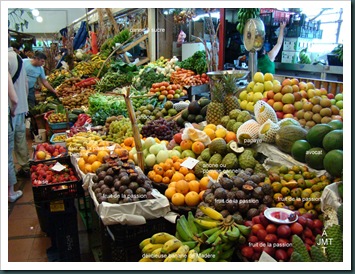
column 244, row 15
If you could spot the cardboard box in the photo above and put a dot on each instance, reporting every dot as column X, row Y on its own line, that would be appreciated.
column 290, row 57
column 296, row 44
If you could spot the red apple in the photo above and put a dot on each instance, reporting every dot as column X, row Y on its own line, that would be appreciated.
column 330, row 95
column 288, row 108
column 178, row 138
column 270, row 94
column 280, row 114
column 298, row 96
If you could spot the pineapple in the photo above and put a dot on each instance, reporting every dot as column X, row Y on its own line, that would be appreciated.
column 215, row 109
column 231, row 100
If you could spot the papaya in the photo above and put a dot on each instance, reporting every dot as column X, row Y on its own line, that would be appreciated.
column 336, row 124
column 333, row 140
column 316, row 134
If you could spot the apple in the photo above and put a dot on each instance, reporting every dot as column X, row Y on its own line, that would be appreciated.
column 286, row 89
column 304, row 94
column 302, row 86
column 333, row 101
column 277, row 87
column 339, row 104
column 279, row 114
column 298, row 105
column 188, row 153
column 178, row 138
column 311, row 93
column 339, row 97
column 295, row 88
column 288, row 115
column 178, row 148
column 288, row 98
column 271, row 102
column 278, row 97
column 270, row 94
column 278, row 106
column 268, row 85
column 264, row 99
column 288, row 108
column 258, row 87
column 298, row 96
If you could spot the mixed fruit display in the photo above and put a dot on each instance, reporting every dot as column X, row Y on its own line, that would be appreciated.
column 205, row 157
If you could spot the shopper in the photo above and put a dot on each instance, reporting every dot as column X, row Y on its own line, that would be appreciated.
column 266, row 60
column 19, row 79
column 13, row 101
column 34, row 69
column 17, row 48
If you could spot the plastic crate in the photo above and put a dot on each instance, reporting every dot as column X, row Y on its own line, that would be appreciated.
column 58, row 134
column 60, row 156
column 55, row 126
column 58, row 191
column 65, row 239
column 120, row 243
column 47, row 210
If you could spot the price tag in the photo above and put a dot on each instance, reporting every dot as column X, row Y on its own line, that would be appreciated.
column 57, row 206
column 58, row 167
column 189, row 163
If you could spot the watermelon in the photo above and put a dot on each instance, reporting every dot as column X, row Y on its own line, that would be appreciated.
column 299, row 149
column 316, row 134
column 333, row 162
column 333, row 140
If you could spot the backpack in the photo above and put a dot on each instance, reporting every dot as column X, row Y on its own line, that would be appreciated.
column 19, row 67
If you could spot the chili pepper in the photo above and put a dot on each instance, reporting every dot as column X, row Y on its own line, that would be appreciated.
column 87, row 82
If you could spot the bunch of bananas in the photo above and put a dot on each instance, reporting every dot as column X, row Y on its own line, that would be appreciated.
column 82, row 141
column 89, row 68
column 211, row 238
column 338, row 50
column 304, row 57
column 244, row 15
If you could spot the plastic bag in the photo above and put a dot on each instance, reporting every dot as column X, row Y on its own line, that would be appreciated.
column 195, row 135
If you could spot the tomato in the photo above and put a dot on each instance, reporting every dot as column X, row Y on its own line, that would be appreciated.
column 157, row 90
column 155, row 85
column 164, row 92
column 165, row 84
column 152, row 90
column 169, row 87
column 174, row 87
column 171, row 92
column 163, row 88
column 203, row 75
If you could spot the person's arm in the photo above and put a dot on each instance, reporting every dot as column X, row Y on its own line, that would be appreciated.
column 275, row 50
column 49, row 87
column 12, row 95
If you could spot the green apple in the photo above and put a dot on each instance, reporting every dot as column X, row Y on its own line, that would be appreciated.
column 178, row 148
column 339, row 97
column 188, row 153
column 333, row 101
column 339, row 104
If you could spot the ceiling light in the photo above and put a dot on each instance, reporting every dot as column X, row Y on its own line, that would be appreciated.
column 39, row 19
column 35, row 12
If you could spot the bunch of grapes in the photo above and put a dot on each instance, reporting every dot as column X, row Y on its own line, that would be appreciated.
column 161, row 129
column 119, row 130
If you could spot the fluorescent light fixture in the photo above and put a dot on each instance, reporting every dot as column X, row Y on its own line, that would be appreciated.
column 213, row 15
column 35, row 12
column 39, row 19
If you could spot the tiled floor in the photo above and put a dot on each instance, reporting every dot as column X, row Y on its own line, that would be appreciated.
column 27, row 243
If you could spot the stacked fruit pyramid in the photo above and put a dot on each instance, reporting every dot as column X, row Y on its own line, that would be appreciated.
column 211, row 238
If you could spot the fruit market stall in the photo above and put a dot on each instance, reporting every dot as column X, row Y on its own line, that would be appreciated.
column 169, row 175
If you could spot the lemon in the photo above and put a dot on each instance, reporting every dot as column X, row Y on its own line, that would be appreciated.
column 221, row 133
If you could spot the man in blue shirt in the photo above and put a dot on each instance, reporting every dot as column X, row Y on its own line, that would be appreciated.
column 34, row 69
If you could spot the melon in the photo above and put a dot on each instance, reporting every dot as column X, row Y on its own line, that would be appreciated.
column 263, row 111
column 333, row 140
column 316, row 134
column 333, row 162
column 336, row 124
column 288, row 122
column 287, row 135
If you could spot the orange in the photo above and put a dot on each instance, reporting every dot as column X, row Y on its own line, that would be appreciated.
column 190, row 177
column 101, row 154
column 182, row 187
column 84, row 154
column 157, row 178
column 204, row 183
column 231, row 136
column 192, row 198
column 129, row 141
column 81, row 164
column 92, row 158
column 95, row 165
column 198, row 147
column 213, row 174
column 210, row 132
column 169, row 192
column 158, row 169
column 175, row 158
column 177, row 177
column 151, row 174
column 201, row 195
column 183, row 170
column 178, row 199
column 172, row 184
column 169, row 161
column 186, row 144
column 176, row 165
column 88, row 168
column 194, row 186
column 169, row 173
column 165, row 180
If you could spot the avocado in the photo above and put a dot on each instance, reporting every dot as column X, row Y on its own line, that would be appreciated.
column 191, row 118
column 184, row 114
column 203, row 111
column 203, row 102
column 199, row 119
column 194, row 108
column 180, row 121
